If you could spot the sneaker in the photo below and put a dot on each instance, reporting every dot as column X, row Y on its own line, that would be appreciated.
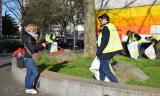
column 31, row 91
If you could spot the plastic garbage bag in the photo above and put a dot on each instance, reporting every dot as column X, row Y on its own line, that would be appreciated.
column 150, row 52
column 95, row 69
column 54, row 47
column 133, row 49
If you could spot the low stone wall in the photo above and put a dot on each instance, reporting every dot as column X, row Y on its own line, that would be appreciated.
column 66, row 85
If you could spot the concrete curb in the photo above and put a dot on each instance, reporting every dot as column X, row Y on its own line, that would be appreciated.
column 66, row 85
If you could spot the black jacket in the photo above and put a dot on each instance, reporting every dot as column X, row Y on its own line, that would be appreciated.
column 104, row 42
column 30, row 43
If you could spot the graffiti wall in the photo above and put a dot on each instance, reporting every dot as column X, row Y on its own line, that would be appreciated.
column 141, row 16
column 112, row 4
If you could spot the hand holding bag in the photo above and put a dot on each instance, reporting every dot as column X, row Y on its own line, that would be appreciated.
column 95, row 69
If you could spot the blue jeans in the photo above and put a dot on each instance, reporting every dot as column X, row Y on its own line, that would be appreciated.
column 32, row 72
column 106, row 72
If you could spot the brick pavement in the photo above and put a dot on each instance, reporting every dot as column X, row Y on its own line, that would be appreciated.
column 9, row 86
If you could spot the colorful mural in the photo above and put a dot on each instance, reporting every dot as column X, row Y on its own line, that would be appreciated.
column 138, row 19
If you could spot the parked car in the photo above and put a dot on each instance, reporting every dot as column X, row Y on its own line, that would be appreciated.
column 79, row 43
column 61, row 42
column 70, row 43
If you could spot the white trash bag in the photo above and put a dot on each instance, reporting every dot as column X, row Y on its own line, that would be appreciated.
column 133, row 49
column 54, row 47
column 150, row 52
column 95, row 69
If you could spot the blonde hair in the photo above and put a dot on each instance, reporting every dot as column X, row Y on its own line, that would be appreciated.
column 31, row 28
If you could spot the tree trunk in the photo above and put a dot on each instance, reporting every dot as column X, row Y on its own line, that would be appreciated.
column 74, row 37
column 90, row 29
column 65, row 35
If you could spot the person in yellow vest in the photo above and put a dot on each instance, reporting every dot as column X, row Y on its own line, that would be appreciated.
column 109, row 45
column 132, row 36
column 51, row 41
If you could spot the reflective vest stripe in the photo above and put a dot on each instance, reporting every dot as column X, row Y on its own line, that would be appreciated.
column 114, row 43
column 133, row 39
column 49, row 38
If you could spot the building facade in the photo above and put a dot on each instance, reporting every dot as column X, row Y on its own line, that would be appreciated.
column 140, row 16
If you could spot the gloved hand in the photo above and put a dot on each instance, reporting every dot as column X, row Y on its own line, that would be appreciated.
column 44, row 45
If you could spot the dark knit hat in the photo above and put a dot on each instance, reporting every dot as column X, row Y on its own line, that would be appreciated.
column 104, row 16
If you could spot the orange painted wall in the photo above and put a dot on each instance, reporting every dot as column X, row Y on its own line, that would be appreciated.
column 138, row 19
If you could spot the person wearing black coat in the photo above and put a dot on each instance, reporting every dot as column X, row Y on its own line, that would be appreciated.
column 30, row 47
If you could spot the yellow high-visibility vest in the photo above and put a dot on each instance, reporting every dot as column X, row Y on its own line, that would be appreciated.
column 114, row 43
column 48, row 38
column 132, row 38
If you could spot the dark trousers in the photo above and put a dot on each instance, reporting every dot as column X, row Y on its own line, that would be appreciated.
column 106, row 72
column 49, row 46
column 104, row 67
column 140, row 50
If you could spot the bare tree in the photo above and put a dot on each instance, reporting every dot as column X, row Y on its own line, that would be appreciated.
column 45, row 13
column 77, row 14
column 64, row 15
column 38, row 12
column 16, row 7
column 13, row 7
column 62, row 12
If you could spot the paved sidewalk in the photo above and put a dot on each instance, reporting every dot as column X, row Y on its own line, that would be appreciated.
column 9, row 86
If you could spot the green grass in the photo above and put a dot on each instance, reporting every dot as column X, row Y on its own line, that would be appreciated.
column 80, row 67
column 150, row 67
